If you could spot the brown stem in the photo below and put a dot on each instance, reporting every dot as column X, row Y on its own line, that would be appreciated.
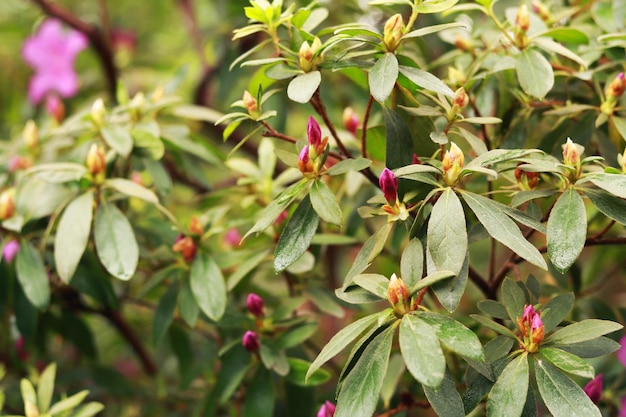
column 366, row 118
column 97, row 39
column 318, row 106
column 479, row 281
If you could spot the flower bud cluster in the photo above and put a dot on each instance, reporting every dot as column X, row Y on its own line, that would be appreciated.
column 310, row 55
column 571, row 158
column 398, row 296
column 526, row 180
column 187, row 245
column 256, row 307
column 613, row 92
column 531, row 329
column 392, row 33
column 313, row 156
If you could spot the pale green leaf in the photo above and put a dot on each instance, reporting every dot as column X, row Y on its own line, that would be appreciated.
column 72, row 235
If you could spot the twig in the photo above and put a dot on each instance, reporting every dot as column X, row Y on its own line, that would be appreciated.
column 96, row 38
column 366, row 119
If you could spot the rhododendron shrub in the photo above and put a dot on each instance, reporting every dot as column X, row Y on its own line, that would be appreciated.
column 382, row 208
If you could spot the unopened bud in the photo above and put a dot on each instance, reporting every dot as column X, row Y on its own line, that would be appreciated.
column 463, row 44
column 250, row 341
column 531, row 329
column 195, row 227
column 327, row 410
column 525, row 179
column 255, row 305
column 55, row 108
column 453, row 162
column 621, row 161
column 416, row 160
column 158, row 93
column 314, row 133
column 96, row 162
column 7, row 203
column 398, row 295
column 10, row 250
column 594, row 388
column 97, row 112
column 17, row 163
column 460, row 98
column 31, row 135
column 617, row 86
column 308, row 52
column 522, row 18
column 571, row 156
column 250, row 103
column 541, row 10
column 350, row 120
column 389, row 185
column 185, row 246
column 393, row 31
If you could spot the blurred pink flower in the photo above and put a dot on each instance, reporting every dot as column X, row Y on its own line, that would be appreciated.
column 621, row 353
column 232, row 237
column 593, row 389
column 326, row 410
column 10, row 250
column 622, row 408
column 51, row 52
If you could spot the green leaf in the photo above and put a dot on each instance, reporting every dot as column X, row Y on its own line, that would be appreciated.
column 426, row 80
column 247, row 265
column 613, row 183
column 561, row 395
column 58, row 172
column 45, row 388
column 567, row 229
column 28, row 394
column 164, row 313
column 192, row 112
column 89, row 410
column 566, row 35
column 502, row 228
column 553, row 313
column 207, row 284
column 32, row 275
column 68, row 403
column 324, row 203
column 187, row 305
column 449, row 292
column 382, row 77
column 361, row 388
column 412, row 263
column 297, row 235
column 147, row 144
column 549, row 45
column 496, row 327
column 298, row 369
column 567, row 362
column 341, row 340
column 118, row 138
column 72, row 235
column 347, row 165
column 132, row 189
column 534, row 73
column 592, row 348
column 582, row 331
column 446, row 400
column 296, row 335
column 447, row 234
column 431, row 280
column 508, row 395
column 260, row 395
column 454, row 335
column 374, row 283
column 180, row 139
column 513, row 299
column 493, row 308
column 395, row 371
column 421, row 351
column 614, row 208
column 434, row 6
column 370, row 249
column 115, row 242
column 434, row 29
column 302, row 88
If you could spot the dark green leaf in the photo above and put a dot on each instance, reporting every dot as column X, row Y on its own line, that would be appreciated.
column 132, row 189
column 348, row 165
column 370, row 249
column 502, row 228
column 556, row 310
column 513, row 299
column 260, row 395
column 298, row 370
column 434, row 6
column 447, row 234
column 147, row 144
column 375, row 283
column 446, row 400
column 454, row 335
column 361, row 388
column 567, row 229
column 496, row 327
column 581, row 331
column 508, row 395
column 296, row 335
column 72, row 235
column 341, row 340
column 164, row 313
column 302, row 88
column 613, row 183
column 426, row 80
column 567, row 362
column 324, row 203
column 382, row 77
column 561, row 395
column 32, row 275
column 296, row 237
column 609, row 205
column 187, row 305
column 207, row 284
column 450, row 291
column 493, row 308
column 118, row 138
column 421, row 351
column 115, row 242
column 592, row 348
column 412, row 263
column 534, row 73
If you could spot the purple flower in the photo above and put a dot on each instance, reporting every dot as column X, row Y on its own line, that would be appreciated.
column 389, row 184
column 326, row 410
column 314, row 133
column 594, row 389
column 51, row 52
column 621, row 353
column 622, row 408
column 255, row 305
column 10, row 250
column 250, row 341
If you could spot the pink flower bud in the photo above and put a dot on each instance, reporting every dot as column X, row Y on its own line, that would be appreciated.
column 250, row 341
column 10, row 250
column 531, row 329
column 314, row 133
column 398, row 295
column 195, row 227
column 593, row 389
column 526, row 180
column 186, row 246
column 617, row 86
column 350, row 120
column 621, row 352
column 255, row 305
column 326, row 410
column 522, row 18
column 389, row 184
column 416, row 160
column 232, row 237
column 304, row 162
column 250, row 103
column 55, row 107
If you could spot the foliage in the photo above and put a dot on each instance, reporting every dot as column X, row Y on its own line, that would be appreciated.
column 438, row 185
